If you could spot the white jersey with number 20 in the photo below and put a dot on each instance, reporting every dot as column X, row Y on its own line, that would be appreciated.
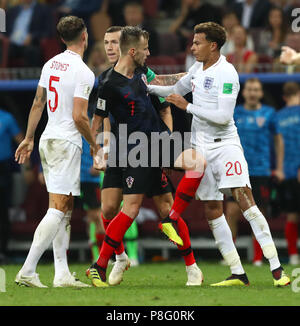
column 65, row 76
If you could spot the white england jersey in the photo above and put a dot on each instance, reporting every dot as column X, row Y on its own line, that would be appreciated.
column 208, row 87
column 65, row 76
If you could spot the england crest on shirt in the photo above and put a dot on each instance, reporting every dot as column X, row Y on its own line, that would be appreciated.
column 208, row 83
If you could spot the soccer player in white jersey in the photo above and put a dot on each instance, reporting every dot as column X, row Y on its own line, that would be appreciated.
column 65, row 85
column 214, row 84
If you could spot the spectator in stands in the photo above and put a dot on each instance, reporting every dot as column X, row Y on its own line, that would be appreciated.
column 229, row 21
column 289, row 126
column 9, row 132
column 193, row 12
column 258, row 131
column 272, row 37
column 134, row 16
column 252, row 13
column 97, row 60
column 244, row 59
column 26, row 25
column 80, row 8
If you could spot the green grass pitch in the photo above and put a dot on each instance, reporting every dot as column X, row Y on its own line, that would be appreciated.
column 153, row 284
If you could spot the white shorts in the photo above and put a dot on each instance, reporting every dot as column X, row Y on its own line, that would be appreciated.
column 61, row 162
column 226, row 168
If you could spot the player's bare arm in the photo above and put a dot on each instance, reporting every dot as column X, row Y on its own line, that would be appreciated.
column 289, row 56
column 166, row 117
column 279, row 150
column 165, row 80
column 82, row 121
column 26, row 146
column 101, row 157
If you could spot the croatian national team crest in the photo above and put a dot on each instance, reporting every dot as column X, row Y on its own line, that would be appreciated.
column 260, row 121
column 208, row 83
column 129, row 181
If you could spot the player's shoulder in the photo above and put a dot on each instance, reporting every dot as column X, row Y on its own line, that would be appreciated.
column 105, row 77
column 195, row 67
column 226, row 67
column 239, row 108
column 283, row 111
column 268, row 109
column 84, row 69
column 6, row 115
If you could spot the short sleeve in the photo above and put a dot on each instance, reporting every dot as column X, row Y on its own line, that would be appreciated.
column 85, row 80
column 229, row 85
column 43, row 81
column 103, row 101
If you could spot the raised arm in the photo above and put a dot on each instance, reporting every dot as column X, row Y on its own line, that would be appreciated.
column 166, row 80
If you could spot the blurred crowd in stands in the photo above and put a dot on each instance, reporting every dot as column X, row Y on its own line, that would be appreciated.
column 256, row 30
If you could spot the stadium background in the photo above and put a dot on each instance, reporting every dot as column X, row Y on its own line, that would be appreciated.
column 29, row 200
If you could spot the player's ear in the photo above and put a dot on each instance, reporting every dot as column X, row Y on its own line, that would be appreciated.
column 132, row 52
column 213, row 46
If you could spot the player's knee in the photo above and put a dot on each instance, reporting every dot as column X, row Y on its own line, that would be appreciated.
column 109, row 211
column 213, row 209
column 131, row 210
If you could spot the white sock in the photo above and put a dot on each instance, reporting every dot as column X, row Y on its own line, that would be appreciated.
column 61, row 245
column 263, row 235
column 122, row 256
column 224, row 242
column 43, row 236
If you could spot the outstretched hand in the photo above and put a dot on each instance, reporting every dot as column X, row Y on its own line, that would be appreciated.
column 178, row 101
column 24, row 150
column 100, row 160
column 287, row 55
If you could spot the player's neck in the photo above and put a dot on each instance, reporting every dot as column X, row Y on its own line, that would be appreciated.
column 293, row 101
column 125, row 67
column 76, row 49
column 252, row 107
column 211, row 60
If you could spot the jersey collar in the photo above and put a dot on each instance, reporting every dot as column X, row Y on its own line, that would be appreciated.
column 73, row 53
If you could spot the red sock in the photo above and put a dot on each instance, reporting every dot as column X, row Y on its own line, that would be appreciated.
column 186, row 249
column 106, row 222
column 185, row 193
column 258, row 254
column 114, row 235
column 291, row 235
column 100, row 238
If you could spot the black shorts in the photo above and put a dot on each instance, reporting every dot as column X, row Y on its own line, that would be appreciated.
column 290, row 195
column 90, row 195
column 261, row 190
column 140, row 180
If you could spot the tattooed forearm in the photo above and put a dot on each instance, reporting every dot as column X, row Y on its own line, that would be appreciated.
column 40, row 96
column 166, row 80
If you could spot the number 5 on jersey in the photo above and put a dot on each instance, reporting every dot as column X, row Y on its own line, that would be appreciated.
column 53, row 89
